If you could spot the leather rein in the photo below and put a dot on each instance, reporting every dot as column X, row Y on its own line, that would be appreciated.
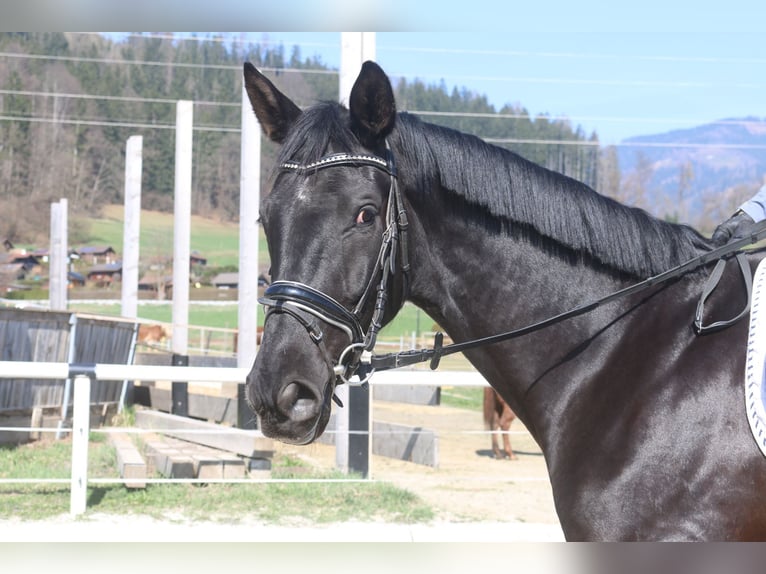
column 298, row 299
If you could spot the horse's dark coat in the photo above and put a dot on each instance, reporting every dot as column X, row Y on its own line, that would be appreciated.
column 642, row 422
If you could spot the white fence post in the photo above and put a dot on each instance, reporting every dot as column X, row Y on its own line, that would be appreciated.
column 131, row 226
column 182, row 225
column 58, row 256
column 355, row 453
column 249, row 200
column 80, row 433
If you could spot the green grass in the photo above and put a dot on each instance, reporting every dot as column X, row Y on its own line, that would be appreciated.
column 276, row 503
column 218, row 241
column 219, row 316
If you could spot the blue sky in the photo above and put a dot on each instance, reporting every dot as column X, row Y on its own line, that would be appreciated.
column 619, row 84
column 619, row 68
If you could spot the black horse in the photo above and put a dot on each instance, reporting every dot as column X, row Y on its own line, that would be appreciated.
column 640, row 418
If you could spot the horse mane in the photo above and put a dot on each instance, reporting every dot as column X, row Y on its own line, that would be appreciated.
column 509, row 188
column 568, row 212
column 331, row 121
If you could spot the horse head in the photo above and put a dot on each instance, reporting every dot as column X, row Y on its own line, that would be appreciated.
column 328, row 227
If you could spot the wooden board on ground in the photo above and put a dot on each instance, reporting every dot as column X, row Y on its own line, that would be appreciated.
column 250, row 443
column 130, row 463
column 172, row 458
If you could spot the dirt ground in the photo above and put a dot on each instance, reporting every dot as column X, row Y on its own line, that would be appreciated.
column 469, row 484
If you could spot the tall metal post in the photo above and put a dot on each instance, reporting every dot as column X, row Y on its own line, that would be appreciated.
column 131, row 226
column 249, row 200
column 181, row 246
column 80, row 435
column 58, row 257
column 353, row 446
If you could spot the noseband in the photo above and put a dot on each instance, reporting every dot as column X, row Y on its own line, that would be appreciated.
column 298, row 299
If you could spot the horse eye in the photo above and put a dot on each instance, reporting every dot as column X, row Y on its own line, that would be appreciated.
column 366, row 216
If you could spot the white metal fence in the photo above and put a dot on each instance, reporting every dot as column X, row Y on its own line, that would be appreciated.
column 84, row 375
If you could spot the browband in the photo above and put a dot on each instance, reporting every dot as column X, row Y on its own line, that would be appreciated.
column 340, row 159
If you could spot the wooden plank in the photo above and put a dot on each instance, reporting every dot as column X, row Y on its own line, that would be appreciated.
column 233, row 466
column 249, row 443
column 207, row 467
column 169, row 462
column 130, row 463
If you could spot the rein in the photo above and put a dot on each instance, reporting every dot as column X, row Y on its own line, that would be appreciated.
column 434, row 355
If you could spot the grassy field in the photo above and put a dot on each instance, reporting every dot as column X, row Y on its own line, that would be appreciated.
column 216, row 240
column 274, row 503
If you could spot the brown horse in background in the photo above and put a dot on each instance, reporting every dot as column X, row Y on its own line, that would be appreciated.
column 498, row 415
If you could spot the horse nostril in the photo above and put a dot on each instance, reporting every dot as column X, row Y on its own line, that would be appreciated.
column 298, row 401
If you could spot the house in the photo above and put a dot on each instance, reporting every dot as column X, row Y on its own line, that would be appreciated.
column 226, row 280
column 156, row 282
column 75, row 279
column 106, row 274
column 12, row 272
column 20, row 263
column 196, row 258
column 97, row 254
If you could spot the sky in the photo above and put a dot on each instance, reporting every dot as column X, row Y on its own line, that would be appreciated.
column 620, row 69
column 616, row 84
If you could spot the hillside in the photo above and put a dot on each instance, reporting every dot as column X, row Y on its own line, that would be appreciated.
column 698, row 174
column 216, row 239
column 70, row 102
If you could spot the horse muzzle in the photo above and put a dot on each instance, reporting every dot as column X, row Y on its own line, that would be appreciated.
column 290, row 386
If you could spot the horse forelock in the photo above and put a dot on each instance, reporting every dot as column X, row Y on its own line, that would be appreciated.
column 509, row 188
column 318, row 129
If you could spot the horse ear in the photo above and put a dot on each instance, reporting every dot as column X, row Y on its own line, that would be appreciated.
column 275, row 111
column 372, row 105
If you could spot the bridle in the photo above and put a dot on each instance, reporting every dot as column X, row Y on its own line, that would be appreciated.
column 298, row 299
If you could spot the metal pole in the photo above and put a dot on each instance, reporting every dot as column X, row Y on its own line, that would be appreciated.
column 131, row 227
column 356, row 48
column 181, row 248
column 57, row 257
column 80, row 432
column 182, row 226
column 249, row 199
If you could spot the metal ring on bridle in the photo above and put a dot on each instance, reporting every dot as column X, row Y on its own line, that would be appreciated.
column 340, row 368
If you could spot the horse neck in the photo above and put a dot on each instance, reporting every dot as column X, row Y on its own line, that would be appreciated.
column 477, row 282
column 473, row 279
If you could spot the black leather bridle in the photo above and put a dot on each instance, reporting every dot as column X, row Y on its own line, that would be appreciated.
column 299, row 300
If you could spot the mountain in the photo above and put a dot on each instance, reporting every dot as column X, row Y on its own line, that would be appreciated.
column 693, row 174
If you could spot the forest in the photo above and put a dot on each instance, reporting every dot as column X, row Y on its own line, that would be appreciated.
column 70, row 101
